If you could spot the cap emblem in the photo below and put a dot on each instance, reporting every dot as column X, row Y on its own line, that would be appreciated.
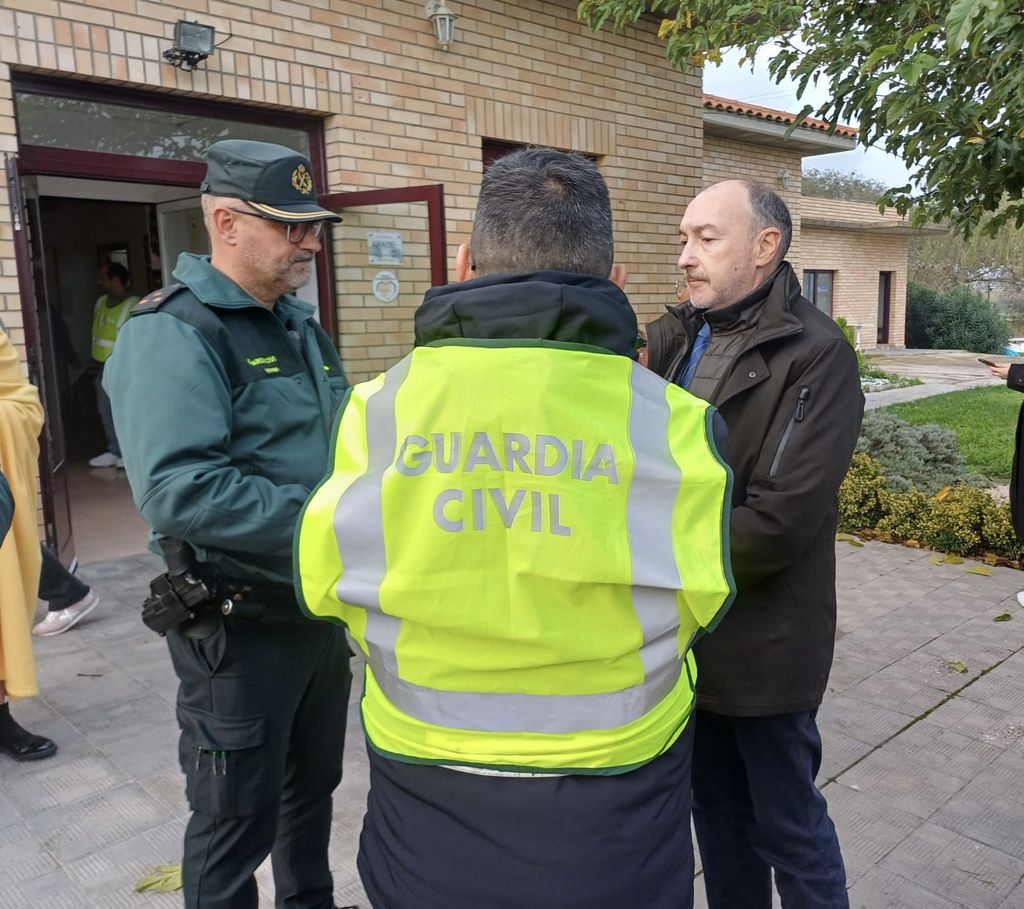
column 302, row 180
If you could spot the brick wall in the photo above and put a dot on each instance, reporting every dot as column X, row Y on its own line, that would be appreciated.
column 857, row 258
column 400, row 111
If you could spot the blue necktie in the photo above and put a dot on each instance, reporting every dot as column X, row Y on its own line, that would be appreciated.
column 700, row 344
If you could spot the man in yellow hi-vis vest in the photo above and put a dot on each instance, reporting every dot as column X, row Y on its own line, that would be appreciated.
column 109, row 314
column 524, row 531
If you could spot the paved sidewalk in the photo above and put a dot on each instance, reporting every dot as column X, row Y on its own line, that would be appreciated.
column 922, row 763
column 940, row 371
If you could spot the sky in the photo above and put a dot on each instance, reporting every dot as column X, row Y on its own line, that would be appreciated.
column 730, row 80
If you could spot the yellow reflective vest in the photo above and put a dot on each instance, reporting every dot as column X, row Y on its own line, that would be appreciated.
column 524, row 541
column 106, row 323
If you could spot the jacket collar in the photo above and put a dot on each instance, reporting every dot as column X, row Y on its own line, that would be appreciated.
column 767, row 310
column 547, row 305
column 212, row 287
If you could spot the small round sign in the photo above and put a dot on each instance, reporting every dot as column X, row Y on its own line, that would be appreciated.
column 386, row 286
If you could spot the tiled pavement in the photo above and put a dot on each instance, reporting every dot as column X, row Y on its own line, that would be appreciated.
column 923, row 764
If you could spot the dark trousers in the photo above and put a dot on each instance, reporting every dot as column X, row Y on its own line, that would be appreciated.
column 435, row 838
column 58, row 586
column 756, row 808
column 262, row 709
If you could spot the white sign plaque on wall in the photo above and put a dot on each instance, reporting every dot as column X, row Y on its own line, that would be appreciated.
column 385, row 247
column 386, row 286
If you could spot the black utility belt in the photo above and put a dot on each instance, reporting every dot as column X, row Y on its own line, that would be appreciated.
column 259, row 601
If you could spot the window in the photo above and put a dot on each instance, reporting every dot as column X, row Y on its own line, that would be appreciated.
column 160, row 126
column 818, row 289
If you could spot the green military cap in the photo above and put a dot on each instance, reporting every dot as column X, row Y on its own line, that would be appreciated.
column 276, row 181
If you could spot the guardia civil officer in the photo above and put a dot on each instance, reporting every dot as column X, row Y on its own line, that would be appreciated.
column 224, row 389
column 525, row 530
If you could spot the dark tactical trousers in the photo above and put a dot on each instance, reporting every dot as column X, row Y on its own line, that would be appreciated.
column 262, row 710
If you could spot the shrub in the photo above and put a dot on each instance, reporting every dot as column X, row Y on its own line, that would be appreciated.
column 955, row 520
column 924, row 457
column 998, row 535
column 959, row 319
column 860, row 506
column 851, row 336
column 903, row 513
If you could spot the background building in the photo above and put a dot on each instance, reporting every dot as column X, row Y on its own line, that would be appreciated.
column 104, row 141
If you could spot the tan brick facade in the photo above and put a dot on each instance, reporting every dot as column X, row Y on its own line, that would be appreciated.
column 855, row 242
column 400, row 111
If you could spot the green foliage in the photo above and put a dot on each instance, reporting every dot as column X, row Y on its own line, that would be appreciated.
column 959, row 519
column 938, row 84
column 986, row 263
column 983, row 419
column 957, row 320
column 954, row 521
column 834, row 184
column 924, row 457
column 902, row 513
column 851, row 336
column 860, row 505
column 997, row 532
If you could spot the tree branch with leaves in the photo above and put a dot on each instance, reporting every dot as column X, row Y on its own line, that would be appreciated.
column 937, row 83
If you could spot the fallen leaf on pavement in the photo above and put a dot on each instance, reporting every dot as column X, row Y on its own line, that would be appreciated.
column 165, row 879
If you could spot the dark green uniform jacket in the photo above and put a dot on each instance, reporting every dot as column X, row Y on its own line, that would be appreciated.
column 224, row 409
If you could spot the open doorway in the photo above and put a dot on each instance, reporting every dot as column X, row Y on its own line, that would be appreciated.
column 85, row 226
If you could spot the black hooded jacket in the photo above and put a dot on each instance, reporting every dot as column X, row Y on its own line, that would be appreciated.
column 792, row 400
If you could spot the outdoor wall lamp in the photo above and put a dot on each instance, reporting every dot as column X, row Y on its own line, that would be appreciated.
column 443, row 20
column 193, row 43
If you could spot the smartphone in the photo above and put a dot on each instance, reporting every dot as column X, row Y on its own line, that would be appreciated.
column 986, row 362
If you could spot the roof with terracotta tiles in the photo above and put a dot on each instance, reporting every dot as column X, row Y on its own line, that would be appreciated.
column 729, row 106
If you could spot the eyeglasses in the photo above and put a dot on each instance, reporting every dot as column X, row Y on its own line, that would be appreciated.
column 296, row 231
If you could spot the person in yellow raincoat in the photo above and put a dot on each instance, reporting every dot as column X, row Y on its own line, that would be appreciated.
column 21, row 419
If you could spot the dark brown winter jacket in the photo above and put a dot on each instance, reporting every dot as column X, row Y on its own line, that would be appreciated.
column 791, row 397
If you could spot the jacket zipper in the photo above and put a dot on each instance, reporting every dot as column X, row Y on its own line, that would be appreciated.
column 796, row 417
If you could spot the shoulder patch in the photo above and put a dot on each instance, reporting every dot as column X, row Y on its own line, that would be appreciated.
column 152, row 302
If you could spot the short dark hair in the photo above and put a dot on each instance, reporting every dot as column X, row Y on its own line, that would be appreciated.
column 543, row 210
column 117, row 270
column 768, row 210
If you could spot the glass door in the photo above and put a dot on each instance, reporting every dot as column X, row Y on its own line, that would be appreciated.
column 389, row 250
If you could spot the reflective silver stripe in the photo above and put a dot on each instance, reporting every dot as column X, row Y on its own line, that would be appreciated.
column 358, row 524
column 102, row 342
column 652, row 498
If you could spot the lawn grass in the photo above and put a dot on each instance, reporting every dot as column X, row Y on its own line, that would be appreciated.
column 984, row 420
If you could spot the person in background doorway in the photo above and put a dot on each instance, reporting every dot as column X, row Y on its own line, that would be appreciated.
column 21, row 420
column 108, row 316
column 68, row 599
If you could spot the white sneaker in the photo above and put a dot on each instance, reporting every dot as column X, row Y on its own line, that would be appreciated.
column 1020, row 598
column 60, row 621
column 107, row 459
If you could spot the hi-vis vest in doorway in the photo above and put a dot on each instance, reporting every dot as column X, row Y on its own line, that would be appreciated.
column 524, row 541
column 106, row 323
